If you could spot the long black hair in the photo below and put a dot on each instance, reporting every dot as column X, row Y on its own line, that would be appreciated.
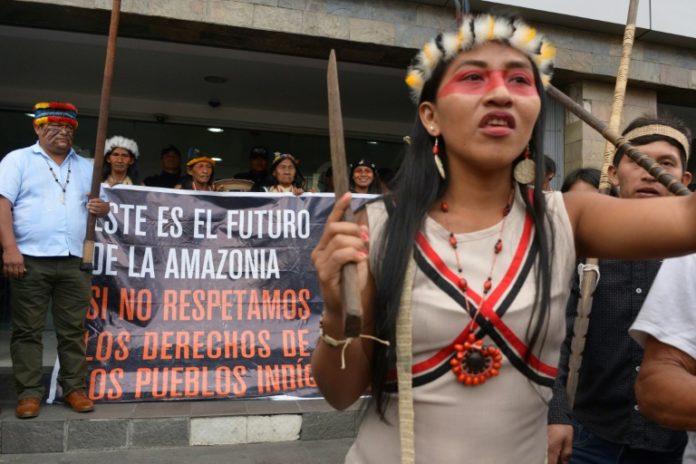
column 588, row 175
column 418, row 173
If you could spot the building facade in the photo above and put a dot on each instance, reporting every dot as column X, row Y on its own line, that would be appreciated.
column 257, row 69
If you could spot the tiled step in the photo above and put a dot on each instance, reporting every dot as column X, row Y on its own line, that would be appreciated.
column 295, row 452
column 173, row 424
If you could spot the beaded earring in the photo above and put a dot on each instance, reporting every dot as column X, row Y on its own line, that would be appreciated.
column 438, row 160
column 525, row 170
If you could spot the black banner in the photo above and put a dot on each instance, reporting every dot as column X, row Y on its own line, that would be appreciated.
column 199, row 296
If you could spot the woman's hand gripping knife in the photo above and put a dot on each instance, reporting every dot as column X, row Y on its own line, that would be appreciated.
column 341, row 243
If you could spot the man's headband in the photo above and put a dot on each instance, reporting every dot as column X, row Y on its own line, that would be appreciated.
column 56, row 113
column 195, row 156
column 661, row 129
column 278, row 157
column 475, row 31
column 199, row 159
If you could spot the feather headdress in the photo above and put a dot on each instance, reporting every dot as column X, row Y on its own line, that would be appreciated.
column 118, row 141
column 474, row 31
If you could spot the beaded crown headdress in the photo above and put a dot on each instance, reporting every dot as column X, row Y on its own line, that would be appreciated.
column 475, row 30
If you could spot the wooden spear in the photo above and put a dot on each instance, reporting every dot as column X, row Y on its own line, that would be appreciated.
column 589, row 273
column 88, row 245
column 643, row 160
column 349, row 273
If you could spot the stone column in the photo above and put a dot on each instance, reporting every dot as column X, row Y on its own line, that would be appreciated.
column 584, row 147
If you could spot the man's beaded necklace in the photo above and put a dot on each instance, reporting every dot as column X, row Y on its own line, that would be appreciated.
column 64, row 185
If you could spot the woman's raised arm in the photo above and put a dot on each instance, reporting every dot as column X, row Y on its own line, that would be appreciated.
column 607, row 227
column 342, row 243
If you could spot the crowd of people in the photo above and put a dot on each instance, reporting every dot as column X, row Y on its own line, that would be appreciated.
column 42, row 252
column 467, row 264
column 280, row 173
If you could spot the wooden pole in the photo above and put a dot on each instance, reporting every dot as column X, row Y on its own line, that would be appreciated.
column 643, row 160
column 349, row 273
column 88, row 245
column 590, row 271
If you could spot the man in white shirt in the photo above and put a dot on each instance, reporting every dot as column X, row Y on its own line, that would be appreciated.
column 666, row 327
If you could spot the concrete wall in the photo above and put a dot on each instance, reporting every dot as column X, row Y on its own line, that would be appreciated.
column 587, row 59
column 408, row 24
column 584, row 147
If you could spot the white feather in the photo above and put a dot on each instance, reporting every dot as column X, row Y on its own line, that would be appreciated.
column 450, row 44
column 466, row 34
column 502, row 29
column 431, row 55
column 480, row 29
column 118, row 141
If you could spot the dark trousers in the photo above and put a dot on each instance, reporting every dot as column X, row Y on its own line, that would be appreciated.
column 588, row 448
column 58, row 283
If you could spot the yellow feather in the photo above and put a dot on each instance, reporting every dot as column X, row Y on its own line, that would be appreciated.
column 491, row 28
column 529, row 36
column 414, row 80
column 427, row 53
column 548, row 51
column 460, row 39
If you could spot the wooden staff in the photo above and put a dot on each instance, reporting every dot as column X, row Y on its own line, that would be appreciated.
column 88, row 245
column 349, row 274
column 590, row 273
column 643, row 160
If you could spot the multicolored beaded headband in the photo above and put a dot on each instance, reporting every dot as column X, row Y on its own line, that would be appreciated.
column 195, row 156
column 475, row 31
column 56, row 113
column 661, row 129
column 118, row 141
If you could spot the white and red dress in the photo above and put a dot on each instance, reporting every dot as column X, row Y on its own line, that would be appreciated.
column 504, row 419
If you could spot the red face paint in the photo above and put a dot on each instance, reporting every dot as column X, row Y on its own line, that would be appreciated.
column 479, row 81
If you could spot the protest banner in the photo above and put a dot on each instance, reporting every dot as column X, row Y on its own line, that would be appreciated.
column 200, row 295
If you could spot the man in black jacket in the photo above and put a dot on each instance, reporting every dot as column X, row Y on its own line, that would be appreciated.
column 170, row 160
column 258, row 169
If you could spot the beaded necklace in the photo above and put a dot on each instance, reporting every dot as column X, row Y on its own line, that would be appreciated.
column 111, row 180
column 63, row 186
column 473, row 362
column 206, row 189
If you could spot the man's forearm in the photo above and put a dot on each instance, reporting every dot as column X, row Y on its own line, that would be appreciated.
column 666, row 386
column 7, row 236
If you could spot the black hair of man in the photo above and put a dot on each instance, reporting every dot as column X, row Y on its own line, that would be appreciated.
column 588, row 175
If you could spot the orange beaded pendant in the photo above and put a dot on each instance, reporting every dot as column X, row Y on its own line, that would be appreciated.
column 474, row 363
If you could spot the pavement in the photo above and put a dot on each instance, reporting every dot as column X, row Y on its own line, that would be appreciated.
column 294, row 452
